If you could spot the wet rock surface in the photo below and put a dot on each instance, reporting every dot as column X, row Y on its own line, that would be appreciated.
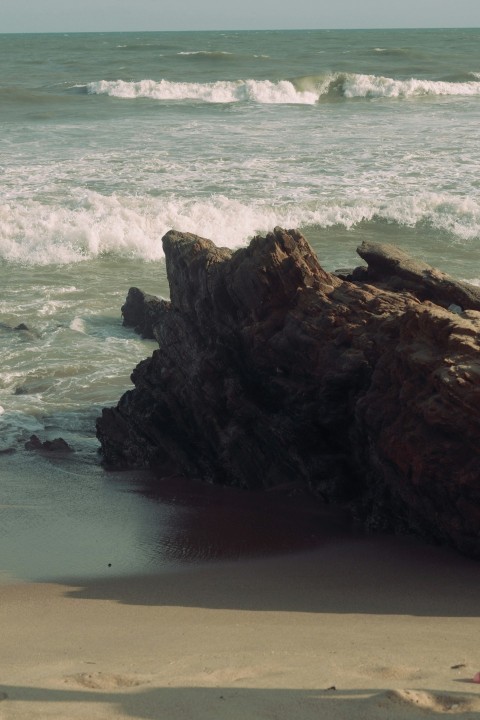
column 271, row 372
column 58, row 445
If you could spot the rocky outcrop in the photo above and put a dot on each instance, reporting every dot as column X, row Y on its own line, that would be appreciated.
column 272, row 372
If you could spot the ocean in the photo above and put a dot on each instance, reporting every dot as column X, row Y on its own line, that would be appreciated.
column 108, row 140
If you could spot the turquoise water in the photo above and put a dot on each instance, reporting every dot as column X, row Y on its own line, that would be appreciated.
column 109, row 140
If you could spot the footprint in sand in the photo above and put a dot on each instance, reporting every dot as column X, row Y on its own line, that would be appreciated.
column 434, row 702
column 105, row 681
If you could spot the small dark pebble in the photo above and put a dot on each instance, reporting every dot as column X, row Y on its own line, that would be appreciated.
column 332, row 687
column 221, row 697
column 109, row 564
column 457, row 667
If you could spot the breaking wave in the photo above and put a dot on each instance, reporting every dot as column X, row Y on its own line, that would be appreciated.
column 307, row 90
column 132, row 226
column 261, row 91
column 373, row 86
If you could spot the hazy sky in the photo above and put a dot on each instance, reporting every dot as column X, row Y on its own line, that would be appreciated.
column 105, row 15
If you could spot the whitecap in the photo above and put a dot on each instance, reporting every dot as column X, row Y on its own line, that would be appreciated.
column 222, row 91
column 373, row 86
column 78, row 325
column 206, row 53
column 303, row 91
column 130, row 226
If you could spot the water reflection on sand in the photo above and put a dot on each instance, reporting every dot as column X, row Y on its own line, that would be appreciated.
column 68, row 517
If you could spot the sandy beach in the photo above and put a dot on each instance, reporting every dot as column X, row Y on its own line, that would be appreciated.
column 364, row 628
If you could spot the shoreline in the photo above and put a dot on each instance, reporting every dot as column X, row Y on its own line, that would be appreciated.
column 383, row 620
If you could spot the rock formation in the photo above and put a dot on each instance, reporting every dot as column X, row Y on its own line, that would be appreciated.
column 271, row 372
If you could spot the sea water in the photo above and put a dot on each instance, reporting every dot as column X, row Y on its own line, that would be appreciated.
column 109, row 140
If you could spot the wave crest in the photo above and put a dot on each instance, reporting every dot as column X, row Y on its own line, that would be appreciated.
column 354, row 85
column 373, row 86
column 301, row 91
column 222, row 91
column 131, row 226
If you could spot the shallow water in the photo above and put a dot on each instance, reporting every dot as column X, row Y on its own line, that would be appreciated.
column 65, row 517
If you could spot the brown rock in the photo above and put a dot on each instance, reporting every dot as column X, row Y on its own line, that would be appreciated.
column 392, row 265
column 271, row 371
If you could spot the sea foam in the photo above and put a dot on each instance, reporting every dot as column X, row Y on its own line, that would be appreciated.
column 132, row 226
column 260, row 91
column 302, row 91
column 365, row 86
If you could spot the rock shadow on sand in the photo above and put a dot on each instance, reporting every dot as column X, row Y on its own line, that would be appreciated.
column 209, row 703
column 375, row 576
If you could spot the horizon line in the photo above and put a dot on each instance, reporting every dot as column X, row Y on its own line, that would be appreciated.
column 219, row 30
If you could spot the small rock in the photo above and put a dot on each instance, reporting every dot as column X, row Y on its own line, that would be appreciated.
column 142, row 311
column 56, row 445
column 455, row 309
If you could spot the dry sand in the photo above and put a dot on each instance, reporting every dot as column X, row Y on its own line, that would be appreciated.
column 373, row 628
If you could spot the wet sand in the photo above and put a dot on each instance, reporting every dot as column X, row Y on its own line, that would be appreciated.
column 64, row 517
column 357, row 628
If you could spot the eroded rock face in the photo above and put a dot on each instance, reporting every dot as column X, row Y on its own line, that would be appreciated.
column 422, row 416
column 271, row 372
